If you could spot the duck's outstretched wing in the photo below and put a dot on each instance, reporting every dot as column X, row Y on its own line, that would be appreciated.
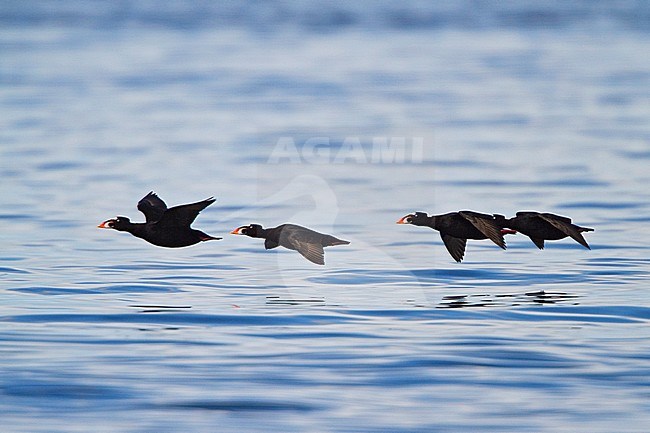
column 306, row 241
column 311, row 251
column 185, row 214
column 455, row 246
column 152, row 207
column 539, row 242
column 565, row 226
column 487, row 226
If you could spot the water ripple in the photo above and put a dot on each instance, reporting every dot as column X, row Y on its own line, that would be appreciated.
column 581, row 314
column 62, row 390
column 99, row 290
column 258, row 405
column 175, row 318
column 13, row 270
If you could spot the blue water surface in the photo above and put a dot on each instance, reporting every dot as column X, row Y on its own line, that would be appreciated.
column 342, row 117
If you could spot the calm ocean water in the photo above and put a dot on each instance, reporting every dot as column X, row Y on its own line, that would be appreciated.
column 341, row 118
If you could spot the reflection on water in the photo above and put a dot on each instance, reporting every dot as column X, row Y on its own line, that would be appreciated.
column 503, row 300
column 278, row 300
column 159, row 308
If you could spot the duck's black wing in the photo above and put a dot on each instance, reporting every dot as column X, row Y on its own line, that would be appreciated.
column 183, row 215
column 564, row 219
column 152, row 207
column 307, row 242
column 311, row 251
column 539, row 242
column 564, row 225
column 455, row 246
column 486, row 225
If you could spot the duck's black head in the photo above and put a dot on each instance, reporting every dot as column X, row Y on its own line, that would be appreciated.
column 118, row 223
column 417, row 218
column 501, row 220
column 252, row 230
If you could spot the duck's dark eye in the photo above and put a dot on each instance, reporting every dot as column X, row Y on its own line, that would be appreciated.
column 408, row 220
column 244, row 231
